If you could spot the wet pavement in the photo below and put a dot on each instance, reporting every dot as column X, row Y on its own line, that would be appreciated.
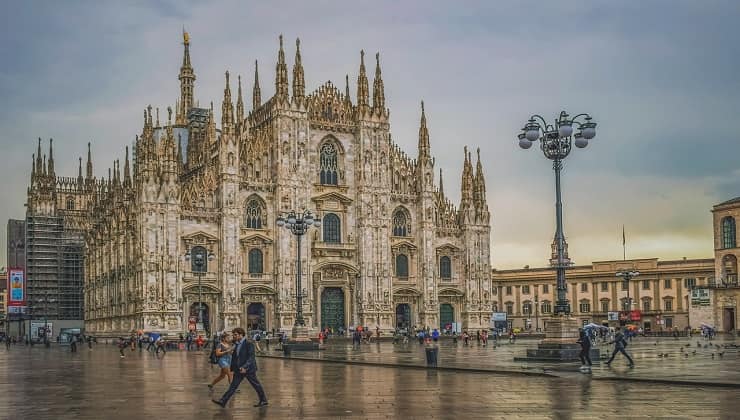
column 52, row 383
column 685, row 361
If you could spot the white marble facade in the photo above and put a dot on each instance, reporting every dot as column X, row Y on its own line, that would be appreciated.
column 401, row 255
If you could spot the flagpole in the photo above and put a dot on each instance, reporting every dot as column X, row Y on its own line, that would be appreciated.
column 624, row 245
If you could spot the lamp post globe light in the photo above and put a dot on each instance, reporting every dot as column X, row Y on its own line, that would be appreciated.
column 556, row 142
column 626, row 276
column 298, row 223
column 199, row 261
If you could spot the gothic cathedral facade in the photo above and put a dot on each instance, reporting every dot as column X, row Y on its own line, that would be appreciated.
column 392, row 250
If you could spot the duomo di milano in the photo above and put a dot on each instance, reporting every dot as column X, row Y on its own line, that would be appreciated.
column 392, row 250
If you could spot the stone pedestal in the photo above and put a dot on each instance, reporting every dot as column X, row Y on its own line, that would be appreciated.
column 299, row 333
column 300, row 340
column 559, row 344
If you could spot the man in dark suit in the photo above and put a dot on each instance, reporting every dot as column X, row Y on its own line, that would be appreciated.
column 244, row 365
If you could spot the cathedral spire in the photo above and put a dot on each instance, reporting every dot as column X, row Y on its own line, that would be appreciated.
column 346, row 89
column 299, row 84
column 33, row 167
column 187, row 82
column 239, row 101
column 179, row 154
column 227, row 107
column 467, row 181
column 79, row 173
column 281, row 74
column 480, row 180
column 256, row 94
column 423, row 135
column 51, row 159
column 362, row 89
column 126, row 172
column 89, row 163
column 44, row 168
column 39, row 168
column 378, row 89
column 441, row 186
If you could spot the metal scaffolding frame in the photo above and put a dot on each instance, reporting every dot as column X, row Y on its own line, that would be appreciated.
column 55, row 270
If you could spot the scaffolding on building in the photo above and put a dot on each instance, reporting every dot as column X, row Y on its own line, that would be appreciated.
column 55, row 273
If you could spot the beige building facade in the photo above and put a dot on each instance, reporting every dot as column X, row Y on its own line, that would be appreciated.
column 659, row 298
column 393, row 250
column 716, row 303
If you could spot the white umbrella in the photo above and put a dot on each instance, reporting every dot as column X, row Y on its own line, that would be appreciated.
column 592, row 325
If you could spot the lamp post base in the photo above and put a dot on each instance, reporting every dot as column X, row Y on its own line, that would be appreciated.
column 299, row 333
column 559, row 345
column 299, row 340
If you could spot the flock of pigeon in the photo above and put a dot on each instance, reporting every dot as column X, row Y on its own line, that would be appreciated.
column 714, row 348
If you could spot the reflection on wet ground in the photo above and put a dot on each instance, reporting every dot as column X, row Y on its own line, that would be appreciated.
column 54, row 384
column 665, row 359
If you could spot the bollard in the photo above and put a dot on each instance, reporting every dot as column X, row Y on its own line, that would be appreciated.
column 432, row 353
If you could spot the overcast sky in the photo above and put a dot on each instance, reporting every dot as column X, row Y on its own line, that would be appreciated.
column 661, row 78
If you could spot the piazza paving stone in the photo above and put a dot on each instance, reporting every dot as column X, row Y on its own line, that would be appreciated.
column 53, row 383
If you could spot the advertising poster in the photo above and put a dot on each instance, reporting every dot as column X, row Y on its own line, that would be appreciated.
column 16, row 291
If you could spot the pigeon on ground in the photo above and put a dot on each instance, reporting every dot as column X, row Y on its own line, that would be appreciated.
column 693, row 353
column 721, row 353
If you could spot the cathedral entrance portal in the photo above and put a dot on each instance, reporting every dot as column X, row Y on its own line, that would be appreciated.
column 332, row 308
column 403, row 316
column 446, row 316
column 256, row 317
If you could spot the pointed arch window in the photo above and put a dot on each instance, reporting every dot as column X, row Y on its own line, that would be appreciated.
column 402, row 265
column 445, row 268
column 328, row 164
column 401, row 222
column 255, row 261
column 70, row 203
column 332, row 229
column 728, row 232
column 255, row 213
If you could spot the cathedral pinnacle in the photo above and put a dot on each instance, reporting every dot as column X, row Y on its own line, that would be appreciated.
column 79, row 172
column 33, row 167
column 362, row 87
column 51, row 159
column 256, row 94
column 39, row 168
column 187, row 82
column 227, row 107
column 281, row 74
column 480, row 182
column 299, row 84
column 378, row 89
column 441, row 186
column 89, row 163
column 423, row 135
column 346, row 89
column 467, row 180
column 239, row 101
column 126, row 172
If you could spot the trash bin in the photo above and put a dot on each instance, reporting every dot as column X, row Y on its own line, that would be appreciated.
column 432, row 353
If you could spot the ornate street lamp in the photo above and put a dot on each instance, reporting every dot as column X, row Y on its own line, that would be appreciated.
column 199, row 260
column 298, row 224
column 626, row 276
column 536, row 313
column 555, row 142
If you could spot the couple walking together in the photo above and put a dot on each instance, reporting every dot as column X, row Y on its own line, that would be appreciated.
column 243, row 366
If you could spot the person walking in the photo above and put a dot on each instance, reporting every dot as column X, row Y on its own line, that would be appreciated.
column 160, row 344
column 619, row 347
column 223, row 351
column 244, row 366
column 585, row 341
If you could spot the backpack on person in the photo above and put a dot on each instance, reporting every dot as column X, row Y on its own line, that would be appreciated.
column 212, row 356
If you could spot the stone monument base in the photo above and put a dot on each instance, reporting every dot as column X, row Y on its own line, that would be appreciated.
column 559, row 344
column 300, row 340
